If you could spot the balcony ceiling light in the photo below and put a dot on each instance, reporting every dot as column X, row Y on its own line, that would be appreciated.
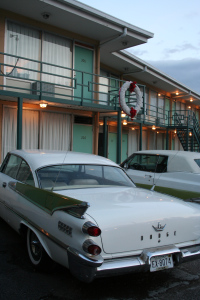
column 43, row 104
column 124, row 122
column 123, row 115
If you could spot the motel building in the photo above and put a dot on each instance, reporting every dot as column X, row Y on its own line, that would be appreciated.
column 62, row 64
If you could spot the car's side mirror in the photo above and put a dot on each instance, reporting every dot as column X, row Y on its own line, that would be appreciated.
column 125, row 166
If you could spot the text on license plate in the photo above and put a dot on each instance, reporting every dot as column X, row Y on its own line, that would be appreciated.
column 161, row 262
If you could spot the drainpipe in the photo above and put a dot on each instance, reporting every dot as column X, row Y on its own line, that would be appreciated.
column 115, row 38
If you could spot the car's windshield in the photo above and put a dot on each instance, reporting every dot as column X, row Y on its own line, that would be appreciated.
column 81, row 176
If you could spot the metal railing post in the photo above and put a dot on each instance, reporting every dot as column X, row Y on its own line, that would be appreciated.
column 19, row 123
column 119, row 137
column 187, row 134
column 140, row 142
column 167, row 139
column 105, row 137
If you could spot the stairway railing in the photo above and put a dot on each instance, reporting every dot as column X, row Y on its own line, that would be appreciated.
column 184, row 126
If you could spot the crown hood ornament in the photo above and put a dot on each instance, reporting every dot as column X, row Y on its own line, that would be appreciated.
column 159, row 227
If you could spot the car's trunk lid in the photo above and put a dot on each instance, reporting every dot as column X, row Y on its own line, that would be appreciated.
column 133, row 218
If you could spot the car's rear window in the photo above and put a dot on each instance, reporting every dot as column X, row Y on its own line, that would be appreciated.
column 197, row 161
column 81, row 176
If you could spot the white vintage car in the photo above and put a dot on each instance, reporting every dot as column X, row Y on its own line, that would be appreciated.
column 177, row 172
column 85, row 213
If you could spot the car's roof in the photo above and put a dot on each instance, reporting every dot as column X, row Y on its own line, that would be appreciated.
column 178, row 160
column 41, row 158
column 172, row 152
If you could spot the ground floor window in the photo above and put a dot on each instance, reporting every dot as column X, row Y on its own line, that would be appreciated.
column 41, row 130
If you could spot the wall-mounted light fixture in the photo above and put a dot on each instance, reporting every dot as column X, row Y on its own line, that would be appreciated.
column 153, row 127
column 124, row 122
column 190, row 133
column 175, row 131
column 123, row 115
column 177, row 93
column 43, row 104
column 189, row 107
column 46, row 15
column 101, row 123
column 159, row 95
column 191, row 100
column 124, row 43
column 132, row 128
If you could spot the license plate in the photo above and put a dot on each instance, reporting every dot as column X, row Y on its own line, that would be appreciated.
column 161, row 262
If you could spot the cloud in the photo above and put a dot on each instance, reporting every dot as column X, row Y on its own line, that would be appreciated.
column 138, row 52
column 192, row 14
column 186, row 71
column 180, row 48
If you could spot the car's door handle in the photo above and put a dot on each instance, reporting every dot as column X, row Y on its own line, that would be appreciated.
column 4, row 184
column 148, row 176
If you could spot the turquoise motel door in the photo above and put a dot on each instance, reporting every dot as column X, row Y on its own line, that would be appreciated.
column 124, row 146
column 83, row 63
column 82, row 138
column 167, row 109
column 112, row 146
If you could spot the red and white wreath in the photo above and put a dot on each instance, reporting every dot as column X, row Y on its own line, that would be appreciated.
column 132, row 112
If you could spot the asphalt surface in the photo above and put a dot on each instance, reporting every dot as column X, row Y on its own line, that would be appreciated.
column 19, row 281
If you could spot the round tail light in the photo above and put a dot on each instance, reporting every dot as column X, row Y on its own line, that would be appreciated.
column 91, row 229
column 90, row 247
column 94, row 249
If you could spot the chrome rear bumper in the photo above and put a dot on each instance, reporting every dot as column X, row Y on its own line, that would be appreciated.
column 86, row 269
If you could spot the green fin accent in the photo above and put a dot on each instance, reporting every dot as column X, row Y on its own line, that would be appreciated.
column 47, row 200
column 172, row 192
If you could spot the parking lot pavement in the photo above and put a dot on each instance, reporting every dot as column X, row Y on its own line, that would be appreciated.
column 19, row 281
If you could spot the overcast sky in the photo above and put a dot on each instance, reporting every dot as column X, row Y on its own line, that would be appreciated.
column 175, row 47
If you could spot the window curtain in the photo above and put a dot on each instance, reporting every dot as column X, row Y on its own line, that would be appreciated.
column 153, row 107
column 55, row 131
column 25, row 42
column 9, row 134
column 103, row 88
column 30, row 123
column 29, row 130
column 144, row 139
column 161, row 110
column 57, row 50
column 132, row 141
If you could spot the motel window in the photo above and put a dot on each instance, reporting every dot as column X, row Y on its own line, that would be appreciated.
column 108, row 88
column 34, row 45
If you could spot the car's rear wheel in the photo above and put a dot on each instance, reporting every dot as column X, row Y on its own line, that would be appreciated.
column 36, row 252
